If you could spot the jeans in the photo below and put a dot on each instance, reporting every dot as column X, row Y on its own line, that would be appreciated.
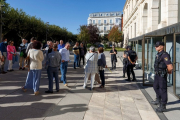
column 33, row 80
column 76, row 61
column 81, row 57
column 101, row 72
column 113, row 64
column 63, row 67
column 53, row 72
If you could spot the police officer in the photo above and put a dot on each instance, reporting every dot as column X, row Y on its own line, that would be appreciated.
column 163, row 66
column 125, row 61
column 132, row 57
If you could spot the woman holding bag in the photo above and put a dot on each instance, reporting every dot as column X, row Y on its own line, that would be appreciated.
column 91, row 66
column 11, row 52
column 34, row 75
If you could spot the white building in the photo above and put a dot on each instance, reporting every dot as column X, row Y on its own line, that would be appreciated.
column 146, row 22
column 144, row 16
column 105, row 21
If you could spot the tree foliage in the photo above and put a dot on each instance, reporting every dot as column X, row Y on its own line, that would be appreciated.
column 115, row 35
column 17, row 25
column 83, row 34
column 88, row 34
column 93, row 34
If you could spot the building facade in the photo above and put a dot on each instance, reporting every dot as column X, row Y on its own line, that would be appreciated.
column 145, row 23
column 144, row 16
column 105, row 21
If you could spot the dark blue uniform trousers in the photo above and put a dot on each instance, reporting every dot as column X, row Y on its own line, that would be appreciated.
column 160, row 87
column 124, row 68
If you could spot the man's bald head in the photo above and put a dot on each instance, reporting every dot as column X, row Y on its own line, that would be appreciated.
column 61, row 42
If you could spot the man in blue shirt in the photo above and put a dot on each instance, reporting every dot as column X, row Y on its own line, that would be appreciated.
column 64, row 62
column 61, row 45
column 3, row 50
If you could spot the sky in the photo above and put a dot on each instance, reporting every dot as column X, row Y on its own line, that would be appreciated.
column 66, row 13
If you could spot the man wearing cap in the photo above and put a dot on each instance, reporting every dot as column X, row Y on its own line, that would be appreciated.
column 125, row 60
column 132, row 57
column 162, row 66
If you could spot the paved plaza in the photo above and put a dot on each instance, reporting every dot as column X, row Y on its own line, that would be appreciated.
column 120, row 100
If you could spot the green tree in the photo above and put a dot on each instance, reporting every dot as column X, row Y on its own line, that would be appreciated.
column 115, row 35
column 83, row 35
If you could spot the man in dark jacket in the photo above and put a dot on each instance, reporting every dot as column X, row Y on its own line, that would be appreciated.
column 113, row 53
column 132, row 57
column 3, row 49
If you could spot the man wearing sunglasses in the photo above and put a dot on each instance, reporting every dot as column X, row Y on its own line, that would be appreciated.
column 162, row 66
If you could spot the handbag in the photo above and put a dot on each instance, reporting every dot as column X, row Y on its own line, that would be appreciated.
column 27, row 62
column 97, row 78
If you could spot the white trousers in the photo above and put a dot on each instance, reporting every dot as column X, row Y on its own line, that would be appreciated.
column 10, row 65
column 86, row 79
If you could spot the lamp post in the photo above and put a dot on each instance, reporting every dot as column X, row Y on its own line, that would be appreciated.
column 1, row 24
column 47, row 23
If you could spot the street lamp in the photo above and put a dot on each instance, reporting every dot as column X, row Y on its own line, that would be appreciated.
column 1, row 24
column 47, row 23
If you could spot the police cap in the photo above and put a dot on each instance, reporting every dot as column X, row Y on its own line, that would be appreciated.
column 126, row 47
column 159, row 43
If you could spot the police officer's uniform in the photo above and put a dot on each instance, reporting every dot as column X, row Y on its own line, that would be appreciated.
column 160, row 81
column 125, row 61
column 132, row 54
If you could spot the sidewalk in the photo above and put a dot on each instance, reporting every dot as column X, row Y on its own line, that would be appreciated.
column 173, row 105
column 120, row 100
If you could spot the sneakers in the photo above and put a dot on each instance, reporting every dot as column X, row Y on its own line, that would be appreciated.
column 36, row 93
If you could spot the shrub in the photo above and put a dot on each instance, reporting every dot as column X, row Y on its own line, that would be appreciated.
column 105, row 46
column 89, row 45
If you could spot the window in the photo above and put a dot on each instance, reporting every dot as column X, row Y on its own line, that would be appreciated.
column 104, row 28
column 99, row 28
column 117, row 20
column 101, row 14
column 104, row 21
column 110, row 27
column 94, row 22
column 110, row 20
column 99, row 21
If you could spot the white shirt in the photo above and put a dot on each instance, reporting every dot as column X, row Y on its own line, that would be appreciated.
column 64, row 54
column 36, row 58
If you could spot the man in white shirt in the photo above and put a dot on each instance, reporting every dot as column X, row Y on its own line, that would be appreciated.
column 64, row 62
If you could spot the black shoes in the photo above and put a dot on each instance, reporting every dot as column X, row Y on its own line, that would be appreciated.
column 91, row 89
column 23, row 68
column 20, row 68
column 111, row 69
column 128, row 80
column 161, row 108
column 123, row 76
column 48, row 91
column 3, row 72
column 156, row 102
